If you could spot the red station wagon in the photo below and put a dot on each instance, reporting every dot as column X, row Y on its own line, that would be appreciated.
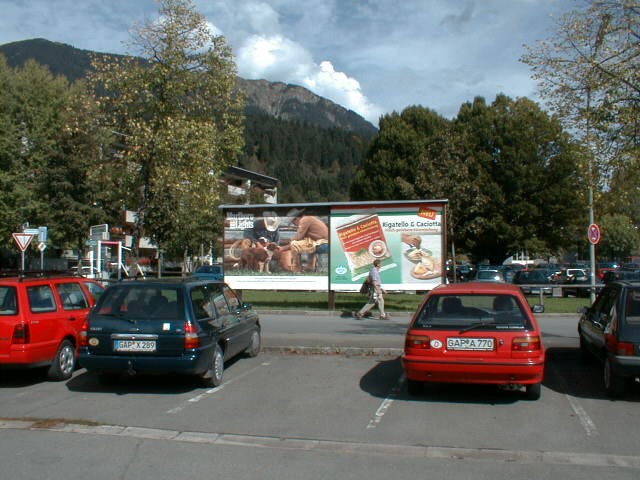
column 475, row 332
column 40, row 321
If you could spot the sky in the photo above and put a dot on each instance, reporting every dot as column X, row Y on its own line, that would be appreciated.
column 374, row 57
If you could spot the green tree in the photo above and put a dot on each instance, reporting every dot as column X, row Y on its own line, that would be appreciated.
column 508, row 169
column 178, row 119
column 530, row 177
column 620, row 237
column 44, row 165
column 588, row 74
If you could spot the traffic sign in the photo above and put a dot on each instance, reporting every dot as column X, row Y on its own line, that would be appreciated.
column 23, row 240
column 594, row 233
column 42, row 246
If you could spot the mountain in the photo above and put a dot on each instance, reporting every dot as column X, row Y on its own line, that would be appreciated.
column 279, row 100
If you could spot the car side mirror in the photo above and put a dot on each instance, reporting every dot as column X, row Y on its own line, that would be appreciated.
column 537, row 308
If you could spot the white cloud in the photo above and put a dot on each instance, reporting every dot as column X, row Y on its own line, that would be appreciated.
column 280, row 59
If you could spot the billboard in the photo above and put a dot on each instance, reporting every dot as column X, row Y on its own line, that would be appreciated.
column 408, row 239
column 333, row 246
column 271, row 247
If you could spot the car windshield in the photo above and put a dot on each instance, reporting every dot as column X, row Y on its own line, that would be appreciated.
column 134, row 302
column 633, row 307
column 493, row 311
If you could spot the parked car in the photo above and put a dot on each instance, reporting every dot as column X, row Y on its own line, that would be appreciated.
column 535, row 280
column 40, row 321
column 604, row 267
column 184, row 326
column 475, row 333
column 609, row 331
column 211, row 272
column 575, row 281
column 486, row 275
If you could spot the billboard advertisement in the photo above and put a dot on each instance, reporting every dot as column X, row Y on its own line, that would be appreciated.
column 276, row 247
column 332, row 246
column 407, row 238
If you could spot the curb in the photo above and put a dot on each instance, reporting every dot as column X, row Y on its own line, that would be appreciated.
column 335, row 350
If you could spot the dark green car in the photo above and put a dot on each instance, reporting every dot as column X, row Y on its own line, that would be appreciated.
column 171, row 326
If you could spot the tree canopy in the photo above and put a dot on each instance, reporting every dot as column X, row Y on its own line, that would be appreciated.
column 510, row 172
column 177, row 117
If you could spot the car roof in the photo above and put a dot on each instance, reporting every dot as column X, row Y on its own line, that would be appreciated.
column 34, row 278
column 167, row 281
column 477, row 288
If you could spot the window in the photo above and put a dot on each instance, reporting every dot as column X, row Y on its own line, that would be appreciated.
column 459, row 311
column 8, row 305
column 232, row 299
column 41, row 299
column 72, row 296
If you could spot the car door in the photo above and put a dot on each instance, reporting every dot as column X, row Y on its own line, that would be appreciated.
column 212, row 312
column 75, row 305
column 598, row 318
column 47, row 322
column 245, row 317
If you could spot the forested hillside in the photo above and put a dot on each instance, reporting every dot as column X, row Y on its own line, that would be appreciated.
column 314, row 164
column 309, row 143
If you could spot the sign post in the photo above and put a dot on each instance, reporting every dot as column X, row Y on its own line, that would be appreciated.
column 23, row 240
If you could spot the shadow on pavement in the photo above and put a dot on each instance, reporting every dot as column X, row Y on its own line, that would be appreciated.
column 386, row 380
column 568, row 374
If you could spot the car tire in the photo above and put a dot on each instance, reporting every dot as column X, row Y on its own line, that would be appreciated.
column 533, row 391
column 414, row 387
column 213, row 376
column 64, row 363
column 613, row 384
column 255, row 344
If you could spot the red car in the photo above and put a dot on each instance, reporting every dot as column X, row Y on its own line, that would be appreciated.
column 40, row 321
column 475, row 332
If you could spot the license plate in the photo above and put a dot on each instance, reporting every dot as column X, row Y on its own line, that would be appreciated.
column 466, row 343
column 134, row 345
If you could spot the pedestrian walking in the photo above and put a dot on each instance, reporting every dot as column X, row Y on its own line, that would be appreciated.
column 376, row 293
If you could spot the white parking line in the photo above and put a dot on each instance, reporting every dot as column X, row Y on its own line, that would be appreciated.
column 211, row 391
column 583, row 416
column 386, row 403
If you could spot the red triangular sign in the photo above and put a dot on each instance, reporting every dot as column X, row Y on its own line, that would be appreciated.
column 23, row 240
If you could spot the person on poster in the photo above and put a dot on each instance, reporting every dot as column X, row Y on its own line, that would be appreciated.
column 375, row 293
column 265, row 230
column 310, row 237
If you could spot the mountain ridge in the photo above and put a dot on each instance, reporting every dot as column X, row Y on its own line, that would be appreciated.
column 280, row 100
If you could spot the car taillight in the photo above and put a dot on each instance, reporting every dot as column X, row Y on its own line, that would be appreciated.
column 191, row 338
column 84, row 334
column 421, row 342
column 526, row 344
column 21, row 334
column 619, row 348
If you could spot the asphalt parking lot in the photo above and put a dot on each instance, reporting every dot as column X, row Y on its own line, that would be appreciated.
column 315, row 402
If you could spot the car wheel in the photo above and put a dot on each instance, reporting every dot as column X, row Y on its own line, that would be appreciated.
column 213, row 376
column 533, row 391
column 613, row 384
column 414, row 387
column 254, row 346
column 64, row 363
